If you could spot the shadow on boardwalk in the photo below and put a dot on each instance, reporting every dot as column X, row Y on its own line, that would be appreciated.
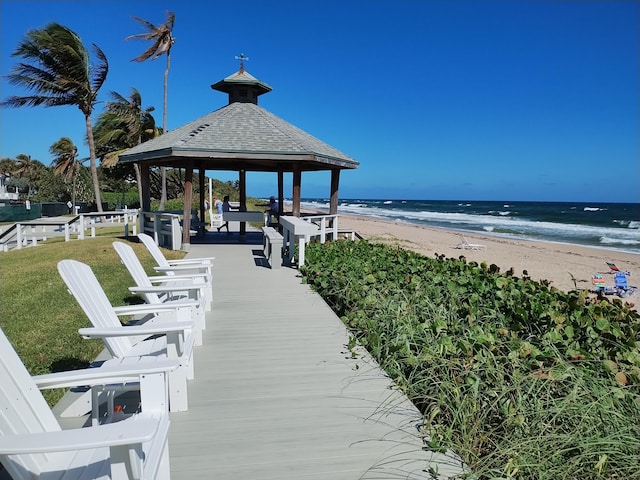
column 278, row 395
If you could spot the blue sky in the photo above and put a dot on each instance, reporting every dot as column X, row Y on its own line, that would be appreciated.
column 437, row 99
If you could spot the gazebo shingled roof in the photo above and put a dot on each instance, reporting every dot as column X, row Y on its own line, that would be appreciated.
column 241, row 136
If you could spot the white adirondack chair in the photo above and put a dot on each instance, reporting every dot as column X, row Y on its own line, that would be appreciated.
column 156, row 337
column 33, row 445
column 197, row 266
column 168, row 290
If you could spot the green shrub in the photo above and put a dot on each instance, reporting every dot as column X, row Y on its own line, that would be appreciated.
column 119, row 200
column 520, row 379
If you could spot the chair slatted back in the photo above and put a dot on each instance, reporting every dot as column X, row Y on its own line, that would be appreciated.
column 84, row 286
column 154, row 250
column 136, row 270
column 23, row 410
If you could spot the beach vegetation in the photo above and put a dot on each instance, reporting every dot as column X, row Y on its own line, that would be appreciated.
column 521, row 380
column 58, row 70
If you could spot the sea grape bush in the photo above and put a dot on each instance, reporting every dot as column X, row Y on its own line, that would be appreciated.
column 502, row 367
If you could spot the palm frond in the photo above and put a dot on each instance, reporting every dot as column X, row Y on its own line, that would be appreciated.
column 111, row 159
column 161, row 36
column 150, row 26
column 57, row 69
column 116, row 97
column 34, row 101
column 147, row 54
column 100, row 71
column 164, row 45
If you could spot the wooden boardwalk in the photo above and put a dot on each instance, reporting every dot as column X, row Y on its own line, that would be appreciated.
column 277, row 394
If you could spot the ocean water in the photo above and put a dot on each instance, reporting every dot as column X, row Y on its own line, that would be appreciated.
column 607, row 225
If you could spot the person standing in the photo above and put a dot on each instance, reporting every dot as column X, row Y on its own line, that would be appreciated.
column 215, row 213
column 225, row 206
column 217, row 204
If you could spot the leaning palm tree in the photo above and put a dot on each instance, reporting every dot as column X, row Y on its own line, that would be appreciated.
column 58, row 71
column 162, row 38
column 122, row 125
column 30, row 170
column 65, row 162
column 24, row 165
column 26, row 168
column 65, row 157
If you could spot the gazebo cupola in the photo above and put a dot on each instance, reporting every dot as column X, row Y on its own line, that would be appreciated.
column 241, row 86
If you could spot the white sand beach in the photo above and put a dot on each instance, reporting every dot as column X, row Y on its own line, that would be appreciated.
column 558, row 263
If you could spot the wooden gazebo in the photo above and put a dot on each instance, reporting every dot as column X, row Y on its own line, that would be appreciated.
column 242, row 137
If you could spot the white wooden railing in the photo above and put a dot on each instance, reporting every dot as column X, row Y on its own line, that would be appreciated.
column 164, row 227
column 22, row 234
column 328, row 225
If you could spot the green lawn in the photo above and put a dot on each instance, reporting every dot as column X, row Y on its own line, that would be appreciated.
column 39, row 315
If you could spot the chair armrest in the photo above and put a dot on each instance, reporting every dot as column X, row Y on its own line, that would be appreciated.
column 169, row 289
column 144, row 329
column 147, row 308
column 138, row 429
column 106, row 374
column 184, row 268
column 187, row 261
column 173, row 278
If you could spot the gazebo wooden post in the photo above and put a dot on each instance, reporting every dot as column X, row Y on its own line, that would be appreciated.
column 203, row 211
column 333, row 199
column 242, row 177
column 145, row 186
column 188, row 197
column 297, row 180
column 280, row 191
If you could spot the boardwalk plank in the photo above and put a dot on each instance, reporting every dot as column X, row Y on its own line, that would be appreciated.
column 277, row 395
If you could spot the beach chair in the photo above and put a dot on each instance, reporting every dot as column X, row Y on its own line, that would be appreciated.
column 599, row 285
column 465, row 245
column 623, row 289
column 199, row 268
column 614, row 269
column 156, row 337
column 166, row 290
column 33, row 445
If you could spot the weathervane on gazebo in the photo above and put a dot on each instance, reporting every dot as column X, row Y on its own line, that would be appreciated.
column 242, row 59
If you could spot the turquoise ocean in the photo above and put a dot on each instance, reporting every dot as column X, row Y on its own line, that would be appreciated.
column 606, row 225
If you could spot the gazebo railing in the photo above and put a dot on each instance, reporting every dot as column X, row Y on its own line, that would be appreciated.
column 164, row 227
column 328, row 225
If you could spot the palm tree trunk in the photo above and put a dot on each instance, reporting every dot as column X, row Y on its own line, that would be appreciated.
column 92, row 163
column 163, row 171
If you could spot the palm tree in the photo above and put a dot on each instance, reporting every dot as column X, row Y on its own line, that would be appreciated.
column 58, row 71
column 24, row 165
column 28, row 169
column 122, row 125
column 65, row 159
column 162, row 38
column 7, row 166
